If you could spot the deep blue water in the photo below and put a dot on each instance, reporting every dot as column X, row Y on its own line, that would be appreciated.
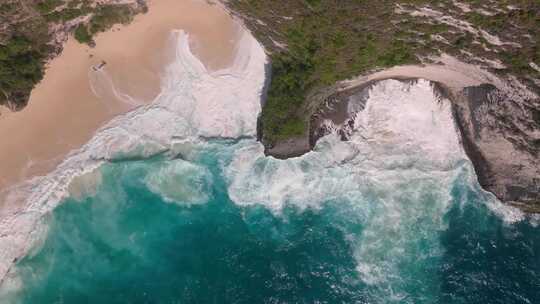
column 127, row 244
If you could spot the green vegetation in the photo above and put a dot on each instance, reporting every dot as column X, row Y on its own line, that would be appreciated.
column 494, row 23
column 47, row 6
column 21, row 66
column 82, row 35
column 67, row 14
column 286, row 94
column 310, row 64
column 320, row 42
column 325, row 43
column 106, row 16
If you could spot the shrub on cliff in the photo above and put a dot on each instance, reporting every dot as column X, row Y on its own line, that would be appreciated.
column 20, row 68
column 82, row 35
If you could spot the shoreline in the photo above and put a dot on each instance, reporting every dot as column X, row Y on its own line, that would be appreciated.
column 190, row 106
column 74, row 99
column 53, row 132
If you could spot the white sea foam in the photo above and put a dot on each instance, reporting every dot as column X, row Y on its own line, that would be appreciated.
column 405, row 133
column 404, row 127
column 181, row 182
column 397, row 172
column 193, row 102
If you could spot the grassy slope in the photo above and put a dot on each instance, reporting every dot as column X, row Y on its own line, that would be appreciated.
column 320, row 42
column 24, row 38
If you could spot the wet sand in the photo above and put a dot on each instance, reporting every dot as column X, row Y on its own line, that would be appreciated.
column 64, row 112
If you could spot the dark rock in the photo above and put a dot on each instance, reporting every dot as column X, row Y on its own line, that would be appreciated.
column 292, row 147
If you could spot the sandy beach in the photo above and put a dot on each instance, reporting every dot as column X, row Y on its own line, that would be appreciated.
column 74, row 100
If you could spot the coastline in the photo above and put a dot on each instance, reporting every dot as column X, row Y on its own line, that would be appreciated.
column 64, row 112
column 501, row 122
column 76, row 99
column 192, row 99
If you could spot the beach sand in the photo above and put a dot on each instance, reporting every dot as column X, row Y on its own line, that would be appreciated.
column 64, row 112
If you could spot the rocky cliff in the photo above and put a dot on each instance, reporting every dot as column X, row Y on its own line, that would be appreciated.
column 500, row 134
column 316, row 45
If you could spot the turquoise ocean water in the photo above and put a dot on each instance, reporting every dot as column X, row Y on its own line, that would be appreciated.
column 177, row 213
column 127, row 244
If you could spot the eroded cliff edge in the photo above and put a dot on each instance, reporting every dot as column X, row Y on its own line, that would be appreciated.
column 484, row 55
column 498, row 121
column 500, row 134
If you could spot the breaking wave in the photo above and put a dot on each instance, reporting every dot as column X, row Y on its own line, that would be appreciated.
column 193, row 103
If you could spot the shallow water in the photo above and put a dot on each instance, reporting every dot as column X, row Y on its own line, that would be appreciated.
column 395, row 215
